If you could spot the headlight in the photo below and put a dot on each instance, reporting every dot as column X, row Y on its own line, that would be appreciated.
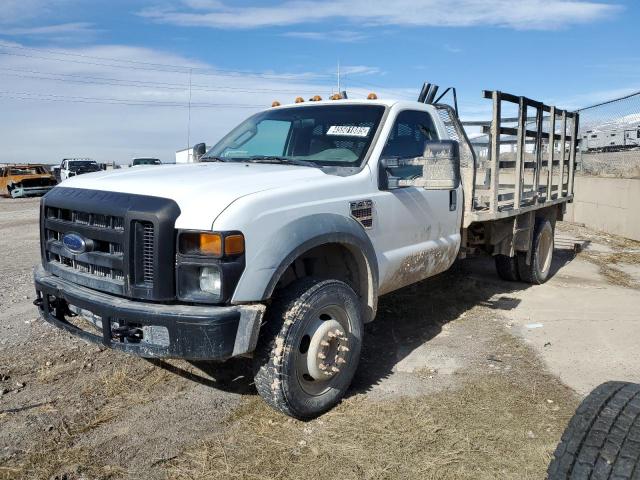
column 208, row 265
column 210, row 281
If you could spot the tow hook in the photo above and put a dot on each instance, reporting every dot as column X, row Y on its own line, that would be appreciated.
column 38, row 302
column 128, row 333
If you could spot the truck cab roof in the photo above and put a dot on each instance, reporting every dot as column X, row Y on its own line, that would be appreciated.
column 347, row 101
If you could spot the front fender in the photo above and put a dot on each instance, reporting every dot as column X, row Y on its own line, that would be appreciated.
column 280, row 250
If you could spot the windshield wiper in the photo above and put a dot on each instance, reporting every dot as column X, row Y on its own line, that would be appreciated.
column 213, row 159
column 283, row 160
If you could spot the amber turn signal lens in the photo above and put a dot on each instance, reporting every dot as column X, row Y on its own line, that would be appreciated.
column 233, row 245
column 210, row 244
column 195, row 243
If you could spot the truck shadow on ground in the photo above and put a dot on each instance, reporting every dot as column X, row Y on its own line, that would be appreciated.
column 406, row 320
column 413, row 316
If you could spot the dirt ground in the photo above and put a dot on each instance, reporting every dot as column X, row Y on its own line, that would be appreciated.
column 462, row 376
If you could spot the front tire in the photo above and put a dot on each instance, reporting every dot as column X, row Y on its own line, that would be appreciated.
column 537, row 272
column 309, row 349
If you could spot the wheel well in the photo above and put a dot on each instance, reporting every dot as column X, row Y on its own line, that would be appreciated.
column 334, row 261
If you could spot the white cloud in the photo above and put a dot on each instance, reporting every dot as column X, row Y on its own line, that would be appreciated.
column 41, row 123
column 522, row 14
column 42, row 18
column 359, row 70
column 342, row 36
column 451, row 49
column 15, row 12
column 48, row 30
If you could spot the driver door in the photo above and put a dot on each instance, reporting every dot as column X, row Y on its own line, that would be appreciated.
column 419, row 227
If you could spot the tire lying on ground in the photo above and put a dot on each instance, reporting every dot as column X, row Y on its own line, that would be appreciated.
column 602, row 440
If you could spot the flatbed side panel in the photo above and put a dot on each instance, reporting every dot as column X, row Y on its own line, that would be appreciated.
column 514, row 181
column 483, row 216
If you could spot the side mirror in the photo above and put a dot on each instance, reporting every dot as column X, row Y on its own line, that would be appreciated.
column 437, row 169
column 199, row 149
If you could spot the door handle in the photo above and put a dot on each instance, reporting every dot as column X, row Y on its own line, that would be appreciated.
column 453, row 200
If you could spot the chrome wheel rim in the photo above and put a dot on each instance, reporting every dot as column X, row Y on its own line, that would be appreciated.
column 323, row 350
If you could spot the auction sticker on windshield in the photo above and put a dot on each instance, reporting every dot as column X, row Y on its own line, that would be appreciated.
column 348, row 130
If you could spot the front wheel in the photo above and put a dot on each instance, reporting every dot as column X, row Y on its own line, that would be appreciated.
column 309, row 348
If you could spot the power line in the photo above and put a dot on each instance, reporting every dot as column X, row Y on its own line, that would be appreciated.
column 123, row 60
column 91, row 80
column 116, row 101
column 133, row 64
column 609, row 101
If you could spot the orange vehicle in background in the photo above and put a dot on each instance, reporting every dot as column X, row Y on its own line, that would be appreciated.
column 25, row 180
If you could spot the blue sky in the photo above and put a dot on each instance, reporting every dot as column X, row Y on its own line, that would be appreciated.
column 109, row 79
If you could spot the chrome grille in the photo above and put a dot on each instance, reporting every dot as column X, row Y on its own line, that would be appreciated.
column 104, row 258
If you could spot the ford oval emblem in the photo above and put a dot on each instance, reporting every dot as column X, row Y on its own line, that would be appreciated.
column 74, row 243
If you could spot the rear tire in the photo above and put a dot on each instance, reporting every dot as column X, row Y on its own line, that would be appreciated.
column 507, row 268
column 541, row 255
column 602, row 440
column 309, row 348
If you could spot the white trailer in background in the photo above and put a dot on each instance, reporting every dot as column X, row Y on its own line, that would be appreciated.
column 191, row 155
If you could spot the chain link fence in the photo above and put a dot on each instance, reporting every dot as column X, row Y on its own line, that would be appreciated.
column 610, row 138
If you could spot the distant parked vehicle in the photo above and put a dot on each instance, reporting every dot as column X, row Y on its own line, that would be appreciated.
column 145, row 161
column 108, row 166
column 191, row 155
column 612, row 139
column 25, row 180
column 70, row 167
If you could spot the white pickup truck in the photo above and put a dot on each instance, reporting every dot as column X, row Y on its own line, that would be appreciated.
column 279, row 242
column 70, row 167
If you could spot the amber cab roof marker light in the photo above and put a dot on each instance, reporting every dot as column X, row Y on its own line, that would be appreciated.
column 299, row 100
column 315, row 98
column 336, row 96
column 275, row 103
column 372, row 96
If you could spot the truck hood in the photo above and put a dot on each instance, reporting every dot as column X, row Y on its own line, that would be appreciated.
column 201, row 190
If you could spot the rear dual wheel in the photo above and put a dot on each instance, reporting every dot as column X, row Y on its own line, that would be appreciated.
column 309, row 348
column 537, row 271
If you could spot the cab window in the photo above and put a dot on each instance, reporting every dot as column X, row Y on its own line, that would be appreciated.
column 408, row 138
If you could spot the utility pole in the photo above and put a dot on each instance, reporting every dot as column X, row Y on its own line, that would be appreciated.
column 339, row 76
column 189, row 121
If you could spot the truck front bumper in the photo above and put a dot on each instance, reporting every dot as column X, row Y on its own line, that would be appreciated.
column 19, row 192
column 150, row 330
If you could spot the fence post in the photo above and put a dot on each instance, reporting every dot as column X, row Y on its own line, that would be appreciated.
column 572, row 154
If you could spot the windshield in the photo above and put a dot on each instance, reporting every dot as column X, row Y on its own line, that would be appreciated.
column 26, row 171
column 82, row 164
column 337, row 135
